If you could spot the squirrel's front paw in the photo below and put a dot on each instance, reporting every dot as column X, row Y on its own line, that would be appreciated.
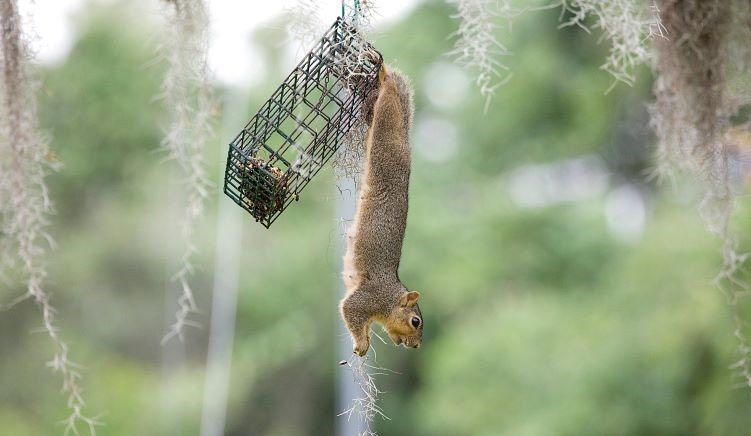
column 361, row 348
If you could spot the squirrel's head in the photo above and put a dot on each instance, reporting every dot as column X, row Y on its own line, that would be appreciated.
column 404, row 323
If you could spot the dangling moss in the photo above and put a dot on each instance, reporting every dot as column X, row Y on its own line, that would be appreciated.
column 25, row 160
column 187, row 95
column 699, row 72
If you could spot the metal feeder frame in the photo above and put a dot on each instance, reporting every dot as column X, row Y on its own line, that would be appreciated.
column 301, row 126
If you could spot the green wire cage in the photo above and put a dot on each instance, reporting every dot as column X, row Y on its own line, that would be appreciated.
column 292, row 136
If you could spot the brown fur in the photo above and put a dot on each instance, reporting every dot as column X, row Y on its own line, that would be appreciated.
column 374, row 241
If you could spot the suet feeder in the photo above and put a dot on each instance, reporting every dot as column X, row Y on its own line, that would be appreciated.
column 300, row 127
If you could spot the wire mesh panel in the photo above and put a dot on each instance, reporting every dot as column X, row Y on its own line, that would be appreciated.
column 301, row 126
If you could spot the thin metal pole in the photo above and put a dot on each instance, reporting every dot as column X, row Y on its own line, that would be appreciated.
column 226, row 283
column 347, row 389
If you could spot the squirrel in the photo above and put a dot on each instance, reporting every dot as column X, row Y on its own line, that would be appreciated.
column 374, row 292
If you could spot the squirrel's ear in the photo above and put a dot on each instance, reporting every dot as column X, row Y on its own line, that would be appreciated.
column 409, row 298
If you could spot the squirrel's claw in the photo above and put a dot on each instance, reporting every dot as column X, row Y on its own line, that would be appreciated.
column 361, row 349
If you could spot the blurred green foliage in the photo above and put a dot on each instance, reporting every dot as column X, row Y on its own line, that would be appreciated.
column 539, row 321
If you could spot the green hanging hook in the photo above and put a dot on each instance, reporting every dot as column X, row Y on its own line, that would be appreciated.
column 357, row 12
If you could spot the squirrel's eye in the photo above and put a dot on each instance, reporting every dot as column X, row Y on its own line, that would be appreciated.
column 415, row 322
